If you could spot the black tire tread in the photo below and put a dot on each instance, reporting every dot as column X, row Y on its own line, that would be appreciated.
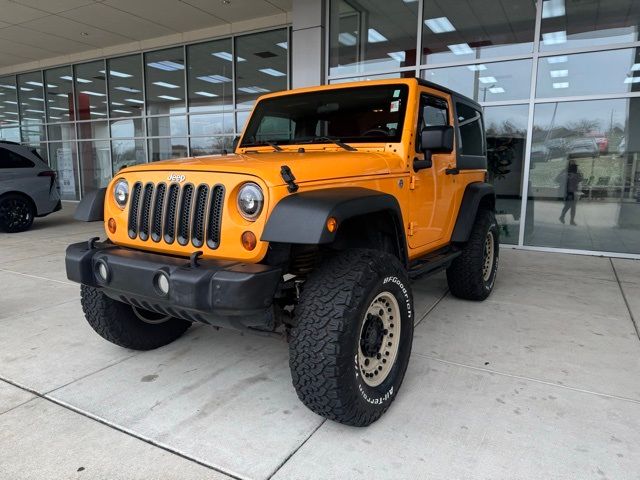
column 464, row 275
column 116, row 322
column 317, row 357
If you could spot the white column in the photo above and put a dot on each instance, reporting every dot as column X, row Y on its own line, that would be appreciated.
column 308, row 43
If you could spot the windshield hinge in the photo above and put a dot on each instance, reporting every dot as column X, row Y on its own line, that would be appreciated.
column 287, row 176
column 412, row 228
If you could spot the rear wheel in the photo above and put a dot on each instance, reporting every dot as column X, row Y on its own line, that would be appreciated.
column 16, row 213
column 127, row 326
column 472, row 274
column 351, row 345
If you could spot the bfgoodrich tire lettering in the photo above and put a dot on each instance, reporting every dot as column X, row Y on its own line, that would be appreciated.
column 324, row 346
column 472, row 275
column 117, row 322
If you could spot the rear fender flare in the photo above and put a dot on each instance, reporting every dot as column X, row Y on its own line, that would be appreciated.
column 474, row 195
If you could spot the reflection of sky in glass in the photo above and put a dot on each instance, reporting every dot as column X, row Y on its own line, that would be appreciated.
column 587, row 73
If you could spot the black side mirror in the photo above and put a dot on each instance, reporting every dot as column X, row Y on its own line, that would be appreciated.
column 234, row 145
column 437, row 139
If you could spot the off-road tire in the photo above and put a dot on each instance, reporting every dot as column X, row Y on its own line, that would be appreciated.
column 465, row 276
column 116, row 322
column 325, row 342
column 20, row 206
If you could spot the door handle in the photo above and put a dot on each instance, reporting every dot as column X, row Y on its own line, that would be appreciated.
column 452, row 171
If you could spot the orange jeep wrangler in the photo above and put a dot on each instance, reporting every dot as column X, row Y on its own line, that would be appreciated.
column 333, row 198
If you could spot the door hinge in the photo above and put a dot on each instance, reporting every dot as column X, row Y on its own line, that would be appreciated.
column 412, row 182
column 412, row 228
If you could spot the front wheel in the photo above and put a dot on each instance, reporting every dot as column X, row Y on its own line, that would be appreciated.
column 472, row 274
column 127, row 326
column 351, row 345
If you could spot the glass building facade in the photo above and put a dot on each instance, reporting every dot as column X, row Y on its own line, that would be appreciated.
column 89, row 120
column 559, row 82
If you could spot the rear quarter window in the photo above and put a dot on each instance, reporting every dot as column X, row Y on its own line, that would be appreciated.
column 10, row 159
column 470, row 130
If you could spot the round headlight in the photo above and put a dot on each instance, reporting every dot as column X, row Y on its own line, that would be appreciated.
column 121, row 193
column 250, row 201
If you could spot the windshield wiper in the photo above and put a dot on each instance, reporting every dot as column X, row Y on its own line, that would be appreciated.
column 273, row 145
column 336, row 141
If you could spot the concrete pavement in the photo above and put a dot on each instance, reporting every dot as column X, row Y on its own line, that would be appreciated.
column 540, row 381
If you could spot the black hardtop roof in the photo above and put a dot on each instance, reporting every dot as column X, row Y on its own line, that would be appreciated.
column 456, row 95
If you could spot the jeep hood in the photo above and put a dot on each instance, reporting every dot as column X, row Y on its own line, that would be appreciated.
column 306, row 167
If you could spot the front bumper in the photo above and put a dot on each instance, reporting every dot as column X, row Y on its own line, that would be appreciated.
column 216, row 292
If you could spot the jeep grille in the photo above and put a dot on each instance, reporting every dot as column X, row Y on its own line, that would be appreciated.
column 186, row 213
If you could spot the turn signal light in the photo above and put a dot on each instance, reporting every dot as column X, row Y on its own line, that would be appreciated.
column 332, row 224
column 249, row 241
column 112, row 225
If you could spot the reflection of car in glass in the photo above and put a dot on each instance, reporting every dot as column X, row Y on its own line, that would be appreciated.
column 583, row 148
column 557, row 147
column 28, row 187
column 333, row 197
column 540, row 153
column 603, row 144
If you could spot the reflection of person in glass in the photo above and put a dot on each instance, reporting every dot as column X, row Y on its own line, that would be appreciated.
column 570, row 180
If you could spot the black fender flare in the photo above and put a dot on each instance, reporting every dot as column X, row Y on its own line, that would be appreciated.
column 475, row 194
column 91, row 207
column 301, row 218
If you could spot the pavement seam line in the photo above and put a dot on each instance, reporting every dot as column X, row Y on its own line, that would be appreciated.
column 436, row 303
column 530, row 379
column 37, row 277
column 135, row 354
column 296, row 449
column 124, row 430
column 624, row 297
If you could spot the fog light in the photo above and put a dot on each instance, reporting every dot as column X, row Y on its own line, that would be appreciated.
column 102, row 271
column 162, row 283
column 112, row 225
column 249, row 240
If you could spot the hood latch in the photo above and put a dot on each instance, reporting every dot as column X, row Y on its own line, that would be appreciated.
column 288, row 177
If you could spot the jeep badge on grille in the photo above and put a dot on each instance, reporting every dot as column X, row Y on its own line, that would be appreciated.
column 174, row 177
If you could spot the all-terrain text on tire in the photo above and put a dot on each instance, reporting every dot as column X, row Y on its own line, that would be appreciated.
column 313, row 234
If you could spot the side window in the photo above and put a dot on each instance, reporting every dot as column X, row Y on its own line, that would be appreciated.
column 275, row 128
column 471, row 134
column 9, row 159
column 433, row 112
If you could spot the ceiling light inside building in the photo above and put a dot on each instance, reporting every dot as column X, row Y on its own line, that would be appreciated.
column 477, row 68
column 398, row 56
column 374, row 36
column 166, row 85
column 559, row 73
column 93, row 94
column 122, row 111
column 560, row 59
column 635, row 67
column 98, row 114
column 632, row 80
column 253, row 89
column 553, row 8
column 488, row 79
column 59, row 108
column 273, row 72
column 214, row 78
column 554, row 38
column 127, row 89
column 133, row 100
column 206, row 94
column 439, row 25
column 496, row 90
column 169, row 97
column 460, row 49
column 227, row 56
column 166, row 65
column 283, row 45
column 561, row 85
column 347, row 39
column 115, row 73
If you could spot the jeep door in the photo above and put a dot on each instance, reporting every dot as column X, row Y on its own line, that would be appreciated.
column 432, row 189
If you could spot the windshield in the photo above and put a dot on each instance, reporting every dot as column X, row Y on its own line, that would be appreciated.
column 350, row 115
